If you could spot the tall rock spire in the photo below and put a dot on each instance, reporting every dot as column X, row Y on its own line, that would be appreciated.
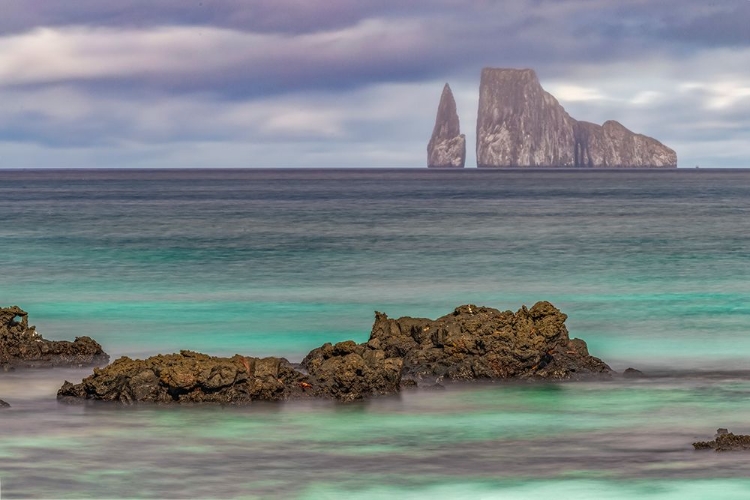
column 447, row 146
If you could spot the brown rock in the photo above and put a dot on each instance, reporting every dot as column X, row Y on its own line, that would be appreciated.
column 188, row 377
column 348, row 371
column 484, row 343
column 725, row 441
column 21, row 346
column 468, row 344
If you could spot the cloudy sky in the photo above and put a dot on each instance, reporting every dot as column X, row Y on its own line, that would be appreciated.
column 353, row 83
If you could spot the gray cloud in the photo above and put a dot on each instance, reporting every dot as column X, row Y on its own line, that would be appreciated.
column 334, row 75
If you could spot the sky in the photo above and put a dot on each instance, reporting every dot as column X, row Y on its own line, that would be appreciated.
column 353, row 83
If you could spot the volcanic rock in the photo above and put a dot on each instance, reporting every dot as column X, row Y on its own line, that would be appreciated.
column 468, row 344
column 633, row 373
column 521, row 125
column 725, row 441
column 348, row 371
column 447, row 146
column 483, row 343
column 189, row 377
column 21, row 346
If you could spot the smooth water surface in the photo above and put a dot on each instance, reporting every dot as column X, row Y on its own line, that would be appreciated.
column 651, row 267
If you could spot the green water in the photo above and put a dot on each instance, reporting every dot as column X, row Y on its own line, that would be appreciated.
column 652, row 269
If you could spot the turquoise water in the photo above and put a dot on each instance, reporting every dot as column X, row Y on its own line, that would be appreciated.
column 652, row 268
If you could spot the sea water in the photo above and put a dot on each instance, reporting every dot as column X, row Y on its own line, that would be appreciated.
column 652, row 268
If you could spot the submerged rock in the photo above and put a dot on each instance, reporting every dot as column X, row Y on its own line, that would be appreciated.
column 447, row 146
column 21, row 346
column 633, row 373
column 470, row 343
column 725, row 441
column 519, row 124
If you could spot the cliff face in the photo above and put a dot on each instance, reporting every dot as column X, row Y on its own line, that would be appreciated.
column 613, row 145
column 521, row 125
column 447, row 146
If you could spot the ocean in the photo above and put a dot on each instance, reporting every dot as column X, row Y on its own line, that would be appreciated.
column 652, row 268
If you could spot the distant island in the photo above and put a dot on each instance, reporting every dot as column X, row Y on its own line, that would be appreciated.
column 521, row 125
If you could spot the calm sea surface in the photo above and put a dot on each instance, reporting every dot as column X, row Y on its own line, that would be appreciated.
column 652, row 268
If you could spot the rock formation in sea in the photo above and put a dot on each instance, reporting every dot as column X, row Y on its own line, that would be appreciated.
column 485, row 343
column 519, row 124
column 3, row 404
column 447, row 146
column 21, row 346
column 471, row 343
column 725, row 441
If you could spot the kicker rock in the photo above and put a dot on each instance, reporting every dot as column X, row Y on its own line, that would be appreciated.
column 613, row 145
column 447, row 146
column 521, row 125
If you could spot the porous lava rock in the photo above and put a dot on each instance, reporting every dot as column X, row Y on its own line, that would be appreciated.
column 189, row 377
column 520, row 125
column 471, row 343
column 484, row 343
column 21, row 346
column 349, row 371
column 447, row 146
column 725, row 441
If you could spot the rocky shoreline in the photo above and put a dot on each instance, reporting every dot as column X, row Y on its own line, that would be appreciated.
column 471, row 343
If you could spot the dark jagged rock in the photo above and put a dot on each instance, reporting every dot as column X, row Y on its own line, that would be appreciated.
column 633, row 373
column 470, row 343
column 484, row 343
column 521, row 125
column 189, row 377
column 21, row 346
column 725, row 441
column 348, row 371
column 447, row 146
column 3, row 404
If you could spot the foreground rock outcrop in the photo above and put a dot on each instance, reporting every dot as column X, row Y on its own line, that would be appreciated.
column 21, row 346
column 485, row 343
column 725, row 441
column 447, row 146
column 471, row 343
column 519, row 124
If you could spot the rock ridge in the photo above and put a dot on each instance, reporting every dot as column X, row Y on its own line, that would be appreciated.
column 447, row 146
column 471, row 343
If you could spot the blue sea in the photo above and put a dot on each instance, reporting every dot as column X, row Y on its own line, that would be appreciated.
column 651, row 266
